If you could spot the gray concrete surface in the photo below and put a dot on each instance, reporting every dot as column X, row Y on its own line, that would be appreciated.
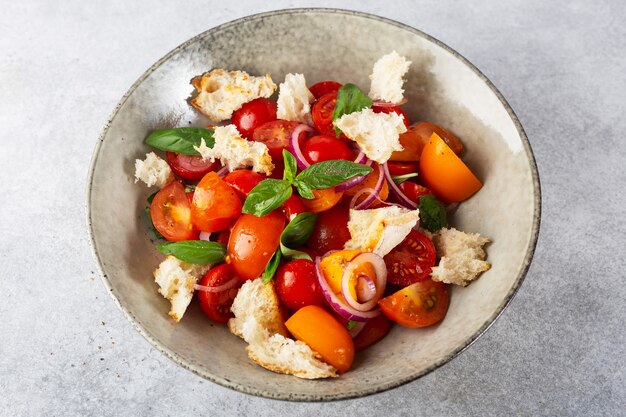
column 559, row 349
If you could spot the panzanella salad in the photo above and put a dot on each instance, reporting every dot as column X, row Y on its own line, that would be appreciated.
column 309, row 223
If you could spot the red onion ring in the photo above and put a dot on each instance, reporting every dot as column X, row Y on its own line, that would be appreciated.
column 406, row 201
column 374, row 193
column 224, row 287
column 365, row 288
column 205, row 236
column 338, row 305
column 294, row 145
column 361, row 159
column 222, row 172
column 381, row 280
column 381, row 103
column 353, row 182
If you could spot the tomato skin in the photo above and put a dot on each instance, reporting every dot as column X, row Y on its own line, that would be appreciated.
column 420, row 304
column 276, row 136
column 444, row 172
column 243, row 181
column 411, row 261
column 324, row 200
column 412, row 190
column 253, row 114
column 253, row 240
column 324, row 87
column 322, row 113
column 425, row 130
column 392, row 109
column 297, row 285
column 292, row 207
column 170, row 213
column 216, row 305
column 190, row 167
column 369, row 182
column 374, row 330
column 331, row 230
column 324, row 334
column 325, row 148
column 214, row 204
column 402, row 168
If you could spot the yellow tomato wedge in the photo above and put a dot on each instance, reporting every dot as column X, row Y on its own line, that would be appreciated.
column 333, row 265
column 445, row 173
column 324, row 200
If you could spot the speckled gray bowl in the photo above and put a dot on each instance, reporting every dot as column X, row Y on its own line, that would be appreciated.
column 442, row 87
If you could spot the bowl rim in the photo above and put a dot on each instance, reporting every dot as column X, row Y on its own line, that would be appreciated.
column 225, row 382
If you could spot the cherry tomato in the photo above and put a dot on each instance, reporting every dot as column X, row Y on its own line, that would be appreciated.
column 402, row 168
column 413, row 191
column 392, row 109
column 323, row 113
column 325, row 148
column 279, row 170
column 374, row 330
column 297, row 285
column 370, row 182
column 216, row 305
column 411, row 261
column 418, row 305
column 324, row 199
column 190, row 167
column 334, row 265
column 243, row 181
column 276, row 136
column 324, row 334
column 215, row 204
column 412, row 145
column 223, row 237
column 252, row 243
column 324, row 87
column 444, row 172
column 292, row 207
column 331, row 230
column 170, row 212
column 253, row 114
column 425, row 130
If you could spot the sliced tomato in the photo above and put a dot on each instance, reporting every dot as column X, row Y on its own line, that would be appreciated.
column 170, row 212
column 324, row 87
column 216, row 305
column 412, row 190
column 292, row 207
column 190, row 167
column 325, row 148
column 297, row 285
column 411, row 261
column 276, row 136
column 418, row 305
column 253, row 114
column 425, row 130
column 252, row 243
column 215, row 204
column 402, row 168
column 374, row 330
column 323, row 113
column 243, row 181
column 324, row 200
column 331, row 229
column 370, row 182
column 392, row 109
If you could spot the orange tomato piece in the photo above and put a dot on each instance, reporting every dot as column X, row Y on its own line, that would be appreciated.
column 369, row 182
column 214, row 205
column 324, row 334
column 420, row 304
column 416, row 137
column 324, row 200
column 444, row 173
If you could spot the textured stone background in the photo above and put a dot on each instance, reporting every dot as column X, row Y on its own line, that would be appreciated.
column 559, row 349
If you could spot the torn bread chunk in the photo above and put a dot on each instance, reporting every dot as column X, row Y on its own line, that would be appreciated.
column 153, row 171
column 294, row 100
column 377, row 134
column 221, row 92
column 380, row 230
column 388, row 77
column 462, row 256
column 176, row 279
column 235, row 152
column 258, row 320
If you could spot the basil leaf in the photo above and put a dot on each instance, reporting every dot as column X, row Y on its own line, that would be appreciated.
column 291, row 166
column 351, row 324
column 432, row 213
column 327, row 174
column 304, row 190
column 350, row 99
column 398, row 179
column 151, row 197
column 266, row 196
column 190, row 188
column 180, row 139
column 194, row 251
column 271, row 267
column 294, row 254
column 157, row 234
column 299, row 230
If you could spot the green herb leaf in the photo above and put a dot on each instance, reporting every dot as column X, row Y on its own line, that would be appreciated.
column 350, row 99
column 327, row 174
column 271, row 267
column 304, row 190
column 266, row 196
column 299, row 230
column 194, row 251
column 294, row 254
column 398, row 179
column 432, row 213
column 291, row 166
column 157, row 234
column 151, row 197
column 180, row 139
column 351, row 324
column 189, row 188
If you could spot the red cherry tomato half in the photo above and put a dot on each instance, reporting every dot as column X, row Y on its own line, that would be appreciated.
column 325, row 148
column 253, row 114
column 214, row 204
column 374, row 330
column 190, row 167
column 411, row 261
column 216, row 305
column 170, row 212
column 243, row 181
column 252, row 243
column 323, row 113
column 413, row 191
column 276, row 136
column 292, row 207
column 297, row 285
column 331, row 230
column 324, row 87
column 402, row 168
column 394, row 109
column 419, row 305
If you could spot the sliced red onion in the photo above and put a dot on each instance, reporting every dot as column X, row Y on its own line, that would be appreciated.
column 338, row 305
column 381, row 103
column 381, row 280
column 224, row 287
column 205, row 236
column 222, row 172
column 361, row 159
column 365, row 288
column 353, row 182
column 294, row 145
column 406, row 201
column 374, row 193
column 357, row 329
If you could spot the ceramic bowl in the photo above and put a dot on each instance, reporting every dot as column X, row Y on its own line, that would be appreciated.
column 442, row 87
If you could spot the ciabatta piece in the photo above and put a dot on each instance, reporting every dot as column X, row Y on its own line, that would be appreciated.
column 153, row 171
column 294, row 100
column 388, row 77
column 462, row 256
